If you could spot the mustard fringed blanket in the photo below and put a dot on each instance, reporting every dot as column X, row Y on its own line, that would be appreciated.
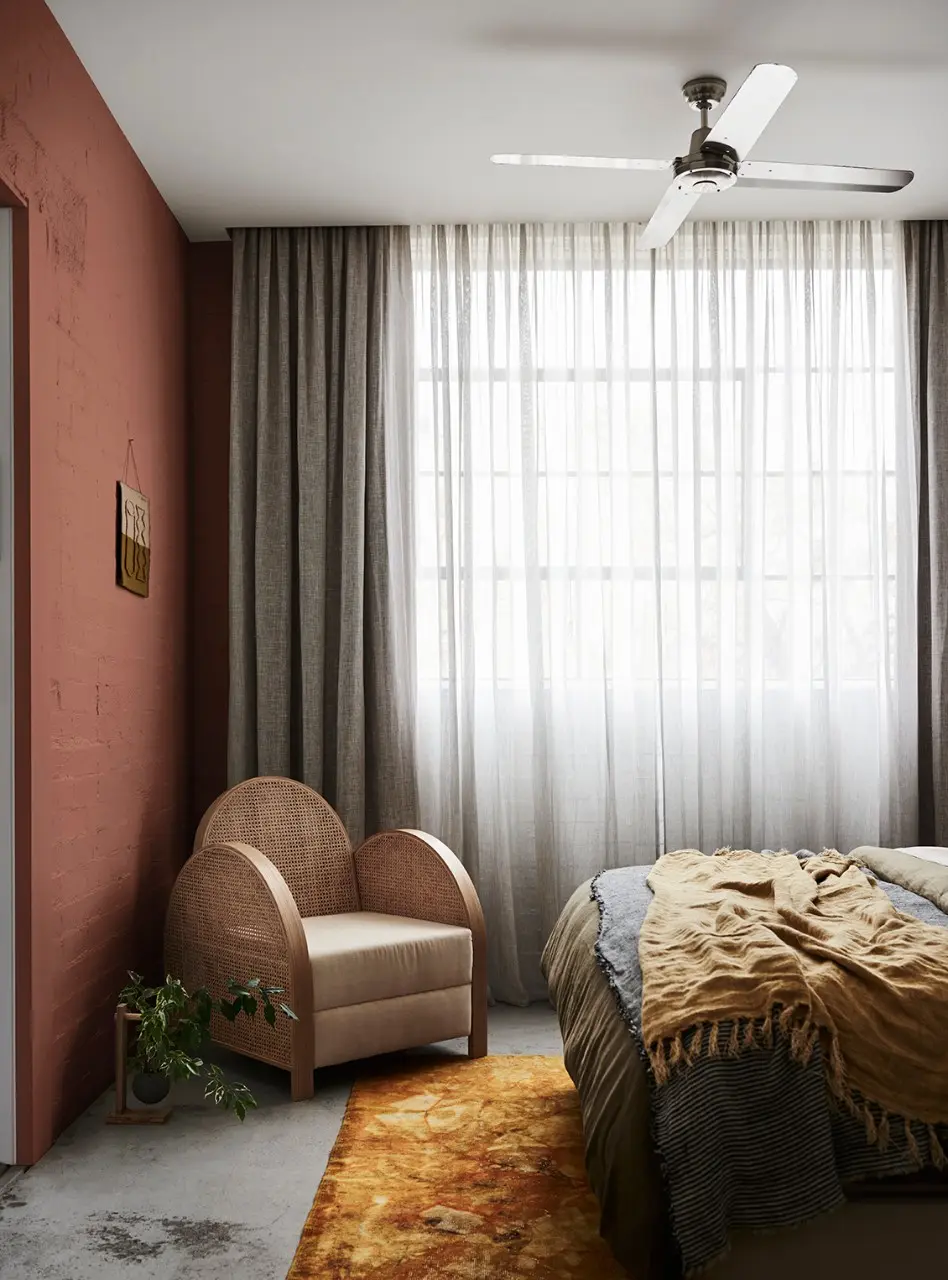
column 810, row 951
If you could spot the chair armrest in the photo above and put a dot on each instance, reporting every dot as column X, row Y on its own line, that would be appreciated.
column 409, row 873
column 232, row 915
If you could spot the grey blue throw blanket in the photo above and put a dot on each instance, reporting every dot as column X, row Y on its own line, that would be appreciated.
column 752, row 1141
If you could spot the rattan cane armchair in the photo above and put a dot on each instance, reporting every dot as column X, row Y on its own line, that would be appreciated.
column 377, row 949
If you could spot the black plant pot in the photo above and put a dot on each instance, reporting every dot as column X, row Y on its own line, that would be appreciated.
column 150, row 1087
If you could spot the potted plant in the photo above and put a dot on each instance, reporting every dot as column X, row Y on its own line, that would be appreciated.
column 173, row 1026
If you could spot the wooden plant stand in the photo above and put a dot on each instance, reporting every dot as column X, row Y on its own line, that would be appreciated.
column 123, row 1114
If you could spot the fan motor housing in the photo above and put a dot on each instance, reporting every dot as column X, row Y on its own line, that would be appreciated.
column 705, row 173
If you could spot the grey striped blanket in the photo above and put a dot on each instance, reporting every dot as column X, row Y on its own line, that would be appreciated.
column 752, row 1141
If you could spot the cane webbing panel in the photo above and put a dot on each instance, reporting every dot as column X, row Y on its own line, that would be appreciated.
column 223, row 923
column 400, row 875
column 299, row 832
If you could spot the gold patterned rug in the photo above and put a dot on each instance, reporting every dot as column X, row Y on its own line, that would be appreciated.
column 465, row 1169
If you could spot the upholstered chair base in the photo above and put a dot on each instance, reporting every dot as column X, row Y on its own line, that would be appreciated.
column 385, row 1026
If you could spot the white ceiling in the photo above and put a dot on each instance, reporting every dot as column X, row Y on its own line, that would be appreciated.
column 283, row 112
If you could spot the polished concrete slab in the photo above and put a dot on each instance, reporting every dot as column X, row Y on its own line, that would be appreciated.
column 202, row 1196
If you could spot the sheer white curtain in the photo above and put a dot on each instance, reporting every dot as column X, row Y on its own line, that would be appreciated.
column 664, row 531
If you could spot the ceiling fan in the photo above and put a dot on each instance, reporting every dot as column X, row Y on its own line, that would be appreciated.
column 717, row 157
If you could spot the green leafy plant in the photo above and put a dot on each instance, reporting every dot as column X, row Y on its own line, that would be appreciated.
column 176, row 1023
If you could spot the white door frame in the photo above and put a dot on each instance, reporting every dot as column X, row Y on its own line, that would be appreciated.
column 7, row 918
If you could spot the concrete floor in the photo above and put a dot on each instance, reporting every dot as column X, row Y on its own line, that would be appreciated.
column 203, row 1196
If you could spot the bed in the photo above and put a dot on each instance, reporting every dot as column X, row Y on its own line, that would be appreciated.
column 867, row 1234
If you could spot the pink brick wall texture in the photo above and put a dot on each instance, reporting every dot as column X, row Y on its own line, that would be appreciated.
column 109, row 672
column 209, row 307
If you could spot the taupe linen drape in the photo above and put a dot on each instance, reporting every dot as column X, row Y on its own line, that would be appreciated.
column 319, row 610
column 926, row 286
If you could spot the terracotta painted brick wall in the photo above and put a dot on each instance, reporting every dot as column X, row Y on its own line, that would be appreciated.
column 109, row 675
column 209, row 308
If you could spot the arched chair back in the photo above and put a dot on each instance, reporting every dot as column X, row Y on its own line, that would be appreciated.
column 298, row 831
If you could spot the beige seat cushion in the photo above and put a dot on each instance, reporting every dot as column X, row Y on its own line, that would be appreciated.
column 360, row 956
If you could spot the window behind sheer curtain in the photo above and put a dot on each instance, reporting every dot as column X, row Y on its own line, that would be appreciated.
column 664, row 577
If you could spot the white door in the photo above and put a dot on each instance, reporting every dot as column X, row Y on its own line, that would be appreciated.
column 7, row 1110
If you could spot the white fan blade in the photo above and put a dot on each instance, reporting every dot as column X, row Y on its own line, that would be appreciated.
column 753, row 107
column 673, row 208
column 831, row 177
column 584, row 162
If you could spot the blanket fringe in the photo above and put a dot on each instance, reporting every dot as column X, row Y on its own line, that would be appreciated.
column 697, row 1040
column 793, row 1024
column 837, row 1070
column 734, row 1039
column 936, row 1149
column 800, row 1043
column 677, row 1051
column 872, row 1132
column 713, row 1040
column 911, row 1142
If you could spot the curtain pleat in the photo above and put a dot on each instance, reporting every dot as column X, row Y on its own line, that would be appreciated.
column 925, row 250
column 320, row 594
